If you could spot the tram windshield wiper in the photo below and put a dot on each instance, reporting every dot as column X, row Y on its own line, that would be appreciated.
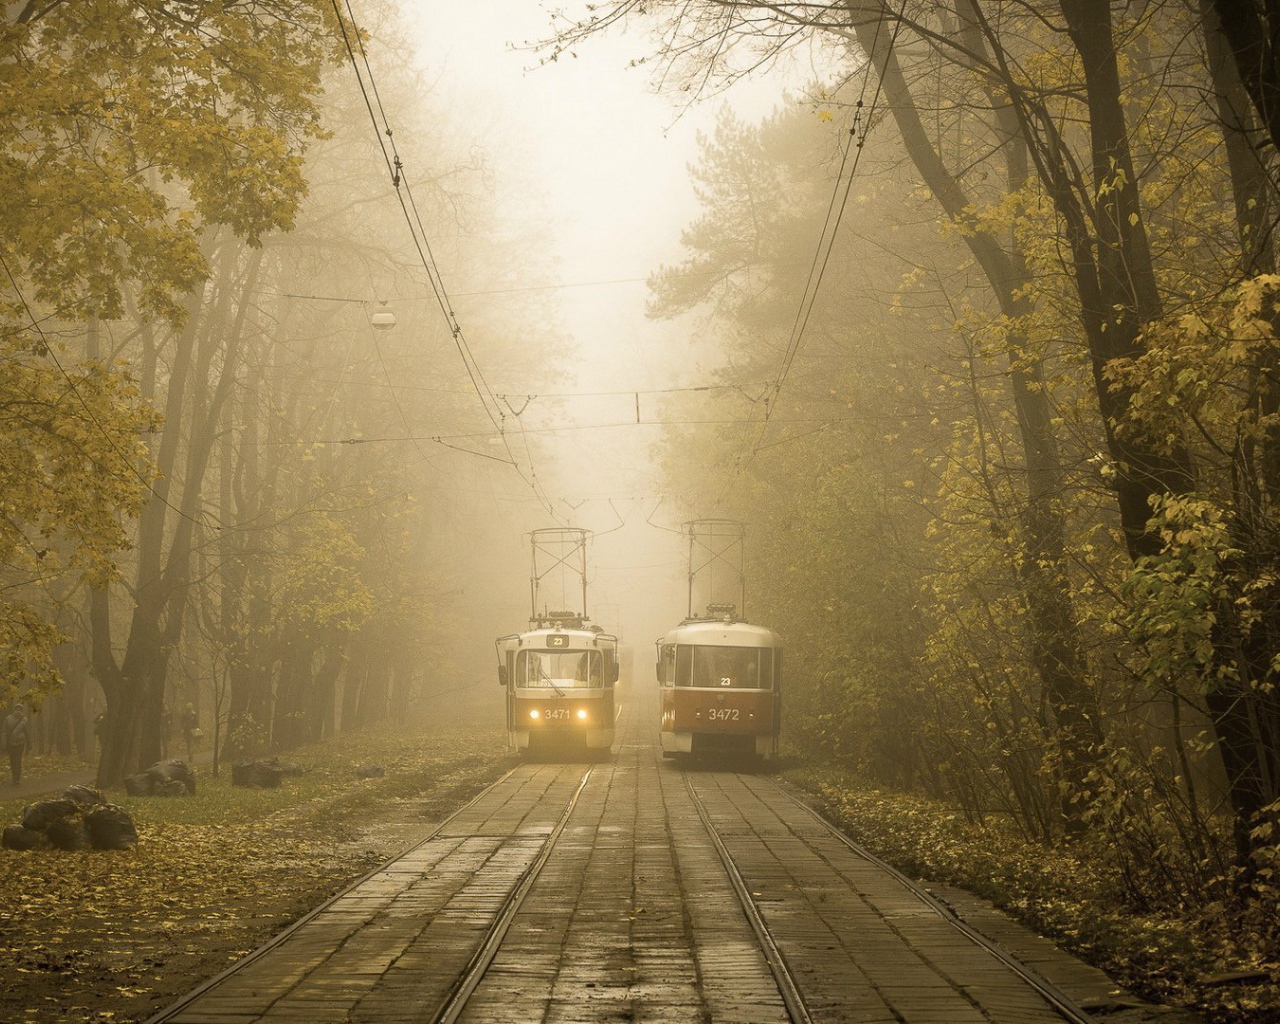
column 542, row 674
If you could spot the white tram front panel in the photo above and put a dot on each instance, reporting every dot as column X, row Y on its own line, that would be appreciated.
column 560, row 688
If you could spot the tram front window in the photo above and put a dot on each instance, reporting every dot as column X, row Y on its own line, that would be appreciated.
column 561, row 669
column 749, row 668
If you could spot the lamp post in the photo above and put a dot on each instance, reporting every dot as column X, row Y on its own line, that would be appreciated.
column 382, row 319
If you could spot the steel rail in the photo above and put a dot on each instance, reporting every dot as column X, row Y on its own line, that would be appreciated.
column 190, row 997
column 1054, row 996
column 456, row 1001
column 787, row 987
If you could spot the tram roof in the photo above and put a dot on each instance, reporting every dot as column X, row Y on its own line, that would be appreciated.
column 578, row 637
column 718, row 632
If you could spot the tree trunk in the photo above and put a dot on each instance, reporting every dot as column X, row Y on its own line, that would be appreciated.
column 135, row 699
column 1250, row 28
column 1058, row 649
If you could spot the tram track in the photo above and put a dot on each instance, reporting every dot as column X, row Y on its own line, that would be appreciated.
column 635, row 890
column 1060, row 1001
column 413, row 934
column 768, row 791
column 792, row 997
column 469, row 980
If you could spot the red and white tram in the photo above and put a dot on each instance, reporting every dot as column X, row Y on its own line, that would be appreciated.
column 559, row 679
column 720, row 681
column 719, row 676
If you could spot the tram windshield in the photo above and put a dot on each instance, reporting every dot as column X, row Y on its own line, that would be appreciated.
column 748, row 668
column 561, row 669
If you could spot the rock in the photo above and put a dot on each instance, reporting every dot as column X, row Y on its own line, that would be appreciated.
column 84, row 796
column 164, row 778
column 257, row 775
column 286, row 767
column 68, row 833
column 173, row 770
column 370, row 771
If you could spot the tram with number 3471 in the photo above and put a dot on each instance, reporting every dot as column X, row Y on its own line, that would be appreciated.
column 559, row 678
column 560, row 673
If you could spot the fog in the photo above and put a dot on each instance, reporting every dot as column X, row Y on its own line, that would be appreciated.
column 597, row 162
column 305, row 394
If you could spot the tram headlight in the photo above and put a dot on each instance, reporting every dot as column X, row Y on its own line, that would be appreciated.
column 582, row 714
column 535, row 713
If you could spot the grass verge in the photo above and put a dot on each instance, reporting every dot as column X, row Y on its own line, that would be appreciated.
column 108, row 938
column 1073, row 896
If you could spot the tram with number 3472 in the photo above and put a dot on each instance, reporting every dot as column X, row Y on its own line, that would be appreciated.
column 719, row 676
column 720, row 681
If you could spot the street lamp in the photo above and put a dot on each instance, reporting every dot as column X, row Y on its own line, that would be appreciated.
column 382, row 318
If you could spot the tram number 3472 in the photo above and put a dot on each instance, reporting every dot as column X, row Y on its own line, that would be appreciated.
column 723, row 714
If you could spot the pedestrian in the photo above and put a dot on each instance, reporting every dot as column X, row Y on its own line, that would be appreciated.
column 190, row 727
column 15, row 739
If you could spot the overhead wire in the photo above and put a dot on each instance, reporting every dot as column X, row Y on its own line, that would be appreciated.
column 491, row 402
column 823, row 424
column 409, row 208
column 836, row 206
column 831, row 223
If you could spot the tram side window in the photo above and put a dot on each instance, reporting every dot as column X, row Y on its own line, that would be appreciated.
column 589, row 669
column 667, row 664
column 684, row 665
column 766, row 668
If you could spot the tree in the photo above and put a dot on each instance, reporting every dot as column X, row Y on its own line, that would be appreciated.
column 73, row 462
column 129, row 133
column 127, row 129
column 1119, row 193
column 1248, row 26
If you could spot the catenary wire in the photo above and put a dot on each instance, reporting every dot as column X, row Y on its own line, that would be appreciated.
column 822, row 255
column 409, row 208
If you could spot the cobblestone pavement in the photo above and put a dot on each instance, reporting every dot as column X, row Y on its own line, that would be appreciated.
column 626, row 912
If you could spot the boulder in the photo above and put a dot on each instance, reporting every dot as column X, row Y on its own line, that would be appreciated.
column 68, row 833
column 257, row 775
column 174, row 770
column 164, row 778
column 84, row 796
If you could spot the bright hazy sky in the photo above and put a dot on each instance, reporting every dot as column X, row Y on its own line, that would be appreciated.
column 600, row 143
column 609, row 159
column 606, row 153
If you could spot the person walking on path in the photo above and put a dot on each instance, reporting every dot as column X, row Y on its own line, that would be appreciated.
column 15, row 739
column 190, row 728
